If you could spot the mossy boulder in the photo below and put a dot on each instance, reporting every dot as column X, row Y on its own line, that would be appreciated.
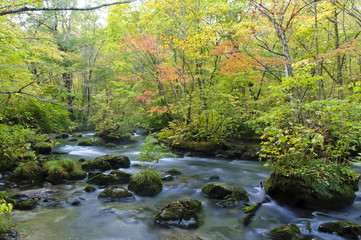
column 27, row 205
column 217, row 190
column 237, row 197
column 73, row 140
column 123, row 177
column 23, row 202
column 62, row 136
column 90, row 188
column 206, row 147
column 77, row 135
column 77, row 175
column 285, row 232
column 115, row 161
column 43, row 148
column 214, row 177
column 30, row 171
column 146, row 183
column 57, row 170
column 110, row 145
column 308, row 192
column 348, row 230
column 174, row 172
column 107, row 162
column 114, row 135
column 181, row 213
column 103, row 179
column 86, row 142
column 116, row 194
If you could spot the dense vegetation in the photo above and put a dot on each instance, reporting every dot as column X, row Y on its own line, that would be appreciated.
column 206, row 72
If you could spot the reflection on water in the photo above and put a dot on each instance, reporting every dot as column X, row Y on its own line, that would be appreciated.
column 94, row 219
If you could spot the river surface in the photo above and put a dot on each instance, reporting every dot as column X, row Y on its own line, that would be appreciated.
column 94, row 219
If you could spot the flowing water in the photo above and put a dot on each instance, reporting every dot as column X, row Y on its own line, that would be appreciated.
column 94, row 219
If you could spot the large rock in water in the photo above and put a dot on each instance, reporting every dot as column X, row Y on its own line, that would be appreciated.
column 146, row 183
column 182, row 213
column 116, row 194
column 107, row 162
column 115, row 177
column 216, row 190
column 311, row 193
column 285, row 232
column 345, row 229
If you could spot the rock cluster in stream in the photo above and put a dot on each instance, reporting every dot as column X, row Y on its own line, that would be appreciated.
column 181, row 213
column 229, row 197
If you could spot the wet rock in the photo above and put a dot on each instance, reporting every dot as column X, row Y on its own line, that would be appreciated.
column 81, row 160
column 216, row 190
column 146, row 183
column 123, row 177
column 90, row 188
column 73, row 140
column 43, row 148
column 107, row 162
column 304, row 191
column 348, row 230
column 86, row 142
column 77, row 135
column 110, row 145
column 285, row 232
column 237, row 197
column 174, row 172
column 168, row 178
column 75, row 202
column 251, row 154
column 115, row 161
column 181, row 213
column 115, row 177
column 77, row 175
column 103, row 179
column 62, row 135
column 214, row 177
column 23, row 202
column 10, row 235
column 116, row 194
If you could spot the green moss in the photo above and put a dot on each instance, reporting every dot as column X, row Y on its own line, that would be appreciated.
column 90, row 188
column 252, row 208
column 57, row 170
column 123, row 177
column 29, row 171
column 43, row 148
column 200, row 146
column 174, row 172
column 77, row 175
column 27, row 205
column 62, row 135
column 146, row 183
column 86, row 142
column 176, row 212
column 115, row 193
column 102, row 179
column 286, row 232
column 345, row 229
column 77, row 135
column 332, row 186
column 217, row 190
column 107, row 162
column 238, row 195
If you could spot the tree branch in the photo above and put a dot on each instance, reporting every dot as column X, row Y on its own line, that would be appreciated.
column 32, row 9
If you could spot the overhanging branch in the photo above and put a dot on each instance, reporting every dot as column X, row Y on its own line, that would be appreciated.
column 32, row 9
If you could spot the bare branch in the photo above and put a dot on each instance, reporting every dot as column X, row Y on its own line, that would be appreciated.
column 32, row 9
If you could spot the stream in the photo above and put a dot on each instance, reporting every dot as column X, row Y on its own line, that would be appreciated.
column 94, row 219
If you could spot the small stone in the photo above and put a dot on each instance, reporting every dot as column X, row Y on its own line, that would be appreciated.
column 116, row 194
column 214, row 177
column 168, row 178
column 90, row 188
column 344, row 229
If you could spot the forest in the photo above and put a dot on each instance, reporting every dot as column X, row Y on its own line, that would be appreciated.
column 274, row 81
